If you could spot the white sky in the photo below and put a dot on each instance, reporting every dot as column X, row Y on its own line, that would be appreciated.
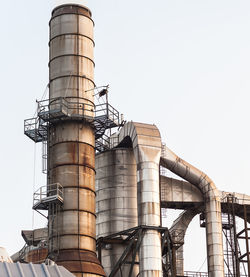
column 182, row 65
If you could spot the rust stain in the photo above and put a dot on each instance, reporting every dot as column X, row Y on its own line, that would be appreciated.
column 77, row 261
column 37, row 256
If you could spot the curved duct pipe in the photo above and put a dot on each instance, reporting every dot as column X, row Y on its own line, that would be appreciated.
column 146, row 143
column 178, row 231
column 212, row 208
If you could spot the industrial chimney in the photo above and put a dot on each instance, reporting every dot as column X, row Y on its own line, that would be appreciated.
column 71, row 141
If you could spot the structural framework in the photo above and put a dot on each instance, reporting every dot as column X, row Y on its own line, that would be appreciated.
column 106, row 181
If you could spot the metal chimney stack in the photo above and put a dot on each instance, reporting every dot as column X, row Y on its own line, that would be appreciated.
column 71, row 141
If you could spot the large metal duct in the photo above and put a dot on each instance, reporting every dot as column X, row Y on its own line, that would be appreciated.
column 116, row 203
column 145, row 140
column 178, row 194
column 71, row 142
column 212, row 208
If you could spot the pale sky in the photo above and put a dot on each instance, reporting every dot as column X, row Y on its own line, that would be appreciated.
column 182, row 65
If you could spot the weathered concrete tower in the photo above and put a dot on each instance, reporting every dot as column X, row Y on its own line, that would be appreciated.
column 71, row 140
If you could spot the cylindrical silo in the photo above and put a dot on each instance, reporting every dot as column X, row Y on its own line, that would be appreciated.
column 116, row 207
column 71, row 140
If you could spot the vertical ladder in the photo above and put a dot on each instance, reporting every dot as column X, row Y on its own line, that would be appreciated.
column 53, row 231
column 244, row 259
column 229, row 244
column 44, row 156
column 231, row 253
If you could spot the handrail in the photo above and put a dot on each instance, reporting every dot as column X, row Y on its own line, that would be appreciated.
column 195, row 274
column 81, row 105
column 47, row 191
column 103, row 143
column 65, row 107
column 30, row 123
column 102, row 116
column 202, row 274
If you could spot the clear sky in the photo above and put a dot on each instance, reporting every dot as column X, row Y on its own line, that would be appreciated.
column 182, row 65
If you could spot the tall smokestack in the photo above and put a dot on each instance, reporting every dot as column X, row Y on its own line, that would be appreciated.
column 71, row 141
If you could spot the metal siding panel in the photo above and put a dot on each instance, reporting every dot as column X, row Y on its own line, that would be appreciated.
column 32, row 270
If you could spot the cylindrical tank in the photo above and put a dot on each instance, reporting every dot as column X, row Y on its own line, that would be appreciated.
column 116, row 207
column 71, row 141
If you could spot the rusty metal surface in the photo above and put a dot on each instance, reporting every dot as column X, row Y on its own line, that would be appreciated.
column 78, row 261
column 71, row 9
column 34, row 237
column 36, row 256
column 71, row 153
column 69, row 175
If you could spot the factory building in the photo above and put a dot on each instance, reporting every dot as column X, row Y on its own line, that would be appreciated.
column 106, row 184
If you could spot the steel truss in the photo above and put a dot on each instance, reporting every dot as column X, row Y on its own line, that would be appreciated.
column 244, row 235
column 132, row 238
column 231, row 248
column 235, row 261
